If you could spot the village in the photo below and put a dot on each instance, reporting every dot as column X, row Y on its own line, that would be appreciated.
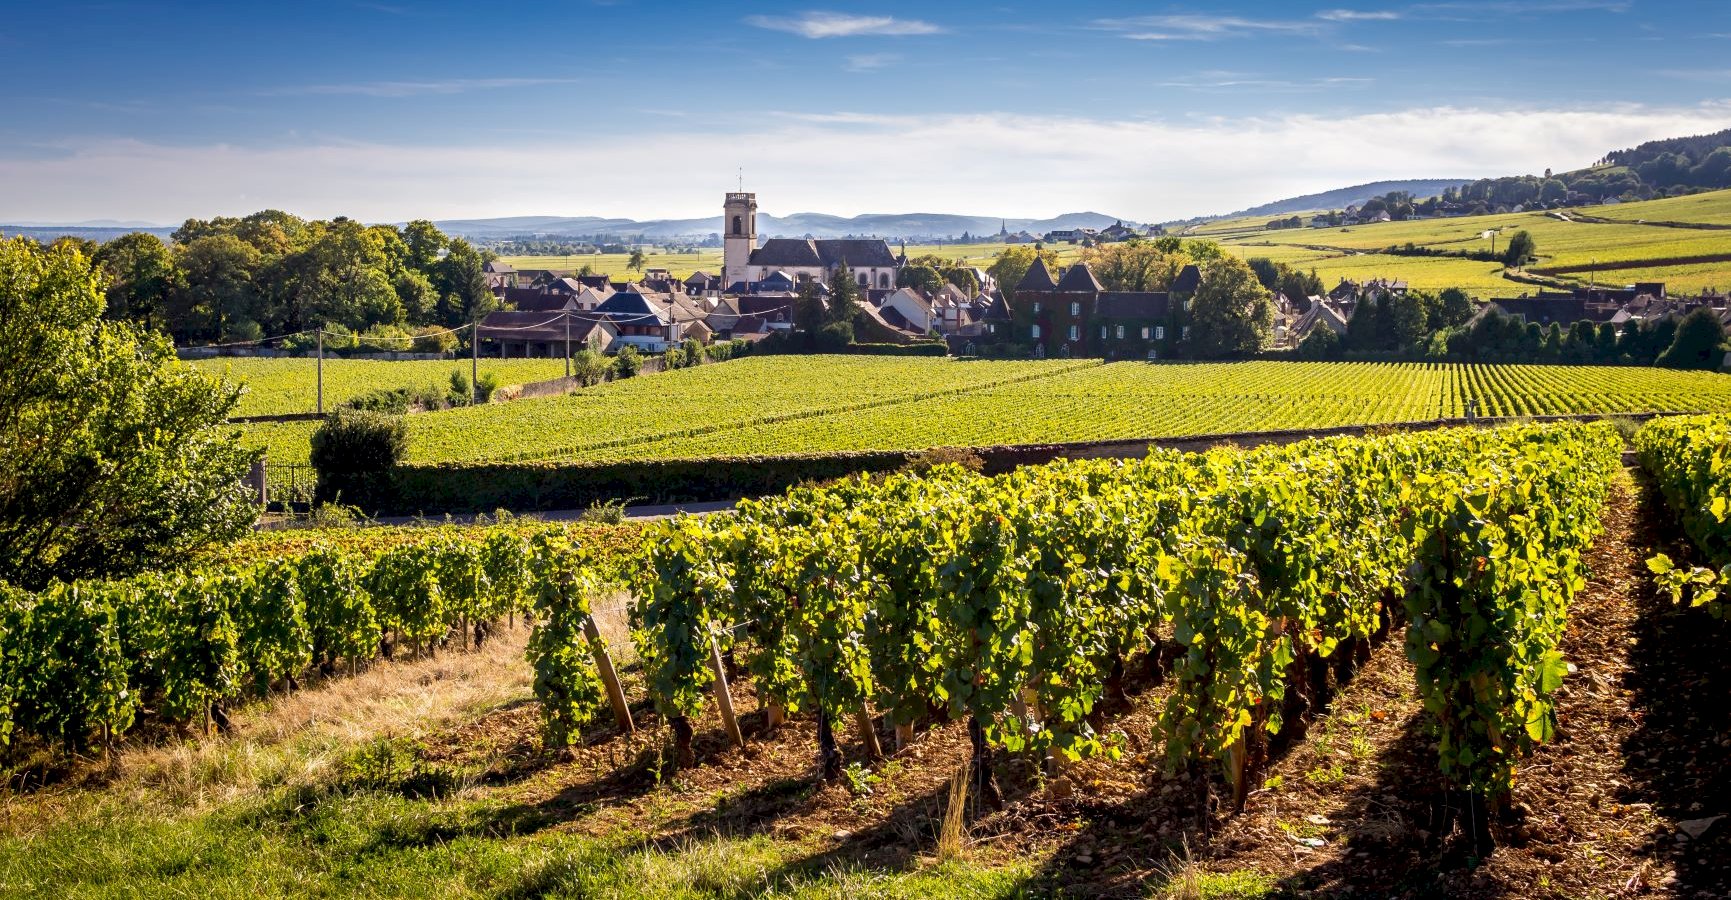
column 1051, row 311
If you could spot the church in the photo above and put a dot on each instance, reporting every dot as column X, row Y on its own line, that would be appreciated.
column 744, row 263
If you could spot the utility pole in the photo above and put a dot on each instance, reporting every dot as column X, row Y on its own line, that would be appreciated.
column 474, row 361
column 567, row 317
column 321, row 365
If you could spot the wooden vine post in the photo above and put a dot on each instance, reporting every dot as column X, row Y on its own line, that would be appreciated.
column 904, row 735
column 723, row 698
column 868, row 734
column 609, row 676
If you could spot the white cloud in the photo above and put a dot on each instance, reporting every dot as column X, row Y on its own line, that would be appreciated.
column 982, row 164
column 1188, row 27
column 411, row 88
column 1358, row 15
column 831, row 24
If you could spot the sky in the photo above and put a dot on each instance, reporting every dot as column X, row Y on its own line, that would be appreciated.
column 399, row 109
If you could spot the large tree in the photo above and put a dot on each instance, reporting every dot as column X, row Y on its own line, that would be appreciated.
column 1231, row 313
column 142, row 276
column 1013, row 263
column 113, row 453
column 1134, row 266
column 1698, row 343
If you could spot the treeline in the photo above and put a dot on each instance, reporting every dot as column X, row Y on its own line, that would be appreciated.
column 271, row 273
column 1653, row 169
column 1421, row 326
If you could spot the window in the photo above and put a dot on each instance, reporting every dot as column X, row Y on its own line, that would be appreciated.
column 1159, row 332
column 1102, row 332
column 1146, row 331
column 736, row 228
column 1075, row 309
column 884, row 280
column 865, row 281
column 1075, row 332
column 1036, row 307
column 1120, row 332
column 1036, row 334
column 1185, row 334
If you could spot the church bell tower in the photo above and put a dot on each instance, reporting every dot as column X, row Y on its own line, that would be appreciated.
column 739, row 237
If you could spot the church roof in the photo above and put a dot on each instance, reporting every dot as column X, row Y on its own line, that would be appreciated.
column 797, row 253
column 1080, row 278
column 1039, row 278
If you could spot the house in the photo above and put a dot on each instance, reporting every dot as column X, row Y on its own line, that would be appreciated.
column 1322, row 314
column 1070, row 235
column 499, row 274
column 526, row 333
column 1117, row 232
column 652, row 322
column 909, row 309
column 1074, row 315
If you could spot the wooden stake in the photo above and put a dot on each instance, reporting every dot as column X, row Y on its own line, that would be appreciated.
column 609, row 676
column 904, row 735
column 868, row 734
column 724, row 699
column 775, row 715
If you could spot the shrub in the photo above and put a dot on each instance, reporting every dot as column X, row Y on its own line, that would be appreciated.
column 354, row 453
column 589, row 367
column 433, row 339
column 834, row 337
column 485, row 386
column 461, row 390
column 386, row 339
column 674, row 358
column 1321, row 343
column 628, row 363
column 693, row 349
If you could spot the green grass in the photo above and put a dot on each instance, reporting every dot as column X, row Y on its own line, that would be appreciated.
column 290, row 385
column 792, row 404
column 331, row 843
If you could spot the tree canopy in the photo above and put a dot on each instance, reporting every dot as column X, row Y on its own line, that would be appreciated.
column 113, row 453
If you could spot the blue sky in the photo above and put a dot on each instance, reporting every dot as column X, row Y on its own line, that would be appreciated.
column 392, row 110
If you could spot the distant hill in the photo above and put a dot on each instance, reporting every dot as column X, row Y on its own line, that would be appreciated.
column 98, row 233
column 887, row 225
column 1341, row 198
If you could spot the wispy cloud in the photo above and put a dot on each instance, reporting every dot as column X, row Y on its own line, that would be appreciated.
column 1227, row 81
column 819, row 24
column 1187, row 27
column 871, row 62
column 1358, row 15
column 411, row 88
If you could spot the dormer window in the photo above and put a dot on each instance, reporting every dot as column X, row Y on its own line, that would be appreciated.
column 1075, row 309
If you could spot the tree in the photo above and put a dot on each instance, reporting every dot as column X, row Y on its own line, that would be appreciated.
column 809, row 314
column 1697, row 344
column 1408, row 319
column 919, row 277
column 142, row 277
column 219, row 289
column 1137, row 266
column 636, row 262
column 1013, row 263
column 1453, row 308
column 1521, row 249
column 963, row 278
column 1231, row 313
column 843, row 298
column 117, row 458
column 1606, row 349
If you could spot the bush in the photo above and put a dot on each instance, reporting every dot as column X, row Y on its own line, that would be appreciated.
column 461, row 391
column 628, row 363
column 674, row 358
column 386, row 339
column 693, row 349
column 1321, row 343
column 433, row 339
column 485, row 386
column 589, row 367
column 354, row 453
column 834, row 337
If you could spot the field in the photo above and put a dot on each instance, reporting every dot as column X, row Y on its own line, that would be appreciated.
column 439, row 776
column 792, row 404
column 284, row 386
column 1623, row 240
